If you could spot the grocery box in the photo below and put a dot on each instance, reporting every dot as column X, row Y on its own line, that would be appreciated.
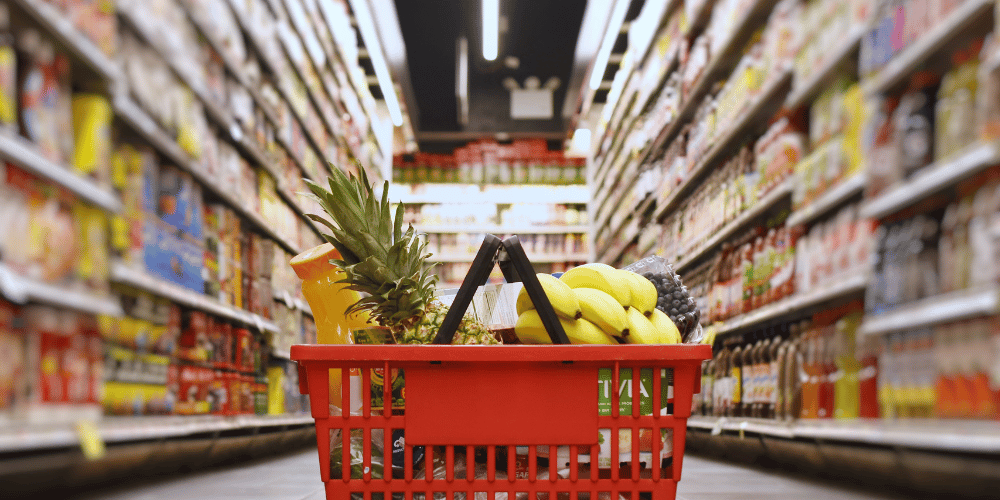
column 194, row 383
column 135, row 383
column 179, row 201
column 171, row 256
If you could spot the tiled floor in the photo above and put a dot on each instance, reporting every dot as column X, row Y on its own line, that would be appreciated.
column 295, row 477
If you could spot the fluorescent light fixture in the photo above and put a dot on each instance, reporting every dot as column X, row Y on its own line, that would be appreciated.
column 614, row 26
column 462, row 82
column 491, row 29
column 370, row 36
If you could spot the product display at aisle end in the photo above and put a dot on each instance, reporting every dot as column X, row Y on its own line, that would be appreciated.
column 837, row 231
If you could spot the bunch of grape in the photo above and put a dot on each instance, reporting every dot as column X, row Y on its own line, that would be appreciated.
column 675, row 300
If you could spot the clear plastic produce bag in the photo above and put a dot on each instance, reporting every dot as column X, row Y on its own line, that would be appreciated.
column 674, row 298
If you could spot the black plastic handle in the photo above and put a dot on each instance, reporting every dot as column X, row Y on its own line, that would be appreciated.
column 516, row 267
column 518, row 260
column 478, row 275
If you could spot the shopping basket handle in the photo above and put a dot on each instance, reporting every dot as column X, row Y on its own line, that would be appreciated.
column 478, row 275
column 515, row 266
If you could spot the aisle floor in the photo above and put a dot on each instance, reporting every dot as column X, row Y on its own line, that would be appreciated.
column 295, row 477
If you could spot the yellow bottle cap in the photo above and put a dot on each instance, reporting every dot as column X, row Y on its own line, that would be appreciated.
column 316, row 260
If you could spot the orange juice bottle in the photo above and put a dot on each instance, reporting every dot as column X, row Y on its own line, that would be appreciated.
column 329, row 301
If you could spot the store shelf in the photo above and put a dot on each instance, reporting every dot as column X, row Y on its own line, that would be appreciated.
column 24, row 154
column 833, row 198
column 969, row 436
column 63, row 30
column 806, row 89
column 121, row 273
column 554, row 229
column 22, row 289
column 20, row 438
column 796, row 303
column 931, row 179
column 722, row 61
column 912, row 57
column 755, row 111
column 219, row 115
column 472, row 193
column 534, row 258
column 742, row 220
column 233, row 67
column 626, row 236
column 954, row 306
column 135, row 116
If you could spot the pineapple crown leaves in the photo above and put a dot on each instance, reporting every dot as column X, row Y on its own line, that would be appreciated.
column 377, row 256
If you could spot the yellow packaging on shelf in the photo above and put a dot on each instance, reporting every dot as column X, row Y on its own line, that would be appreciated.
column 92, row 135
column 275, row 390
column 124, row 398
column 8, row 92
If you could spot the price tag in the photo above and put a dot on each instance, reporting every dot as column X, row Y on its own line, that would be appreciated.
column 90, row 440
column 743, row 427
column 260, row 323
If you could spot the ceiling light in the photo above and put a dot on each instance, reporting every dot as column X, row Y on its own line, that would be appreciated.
column 614, row 26
column 371, row 39
column 491, row 29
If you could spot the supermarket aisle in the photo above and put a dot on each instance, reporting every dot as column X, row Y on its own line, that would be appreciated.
column 294, row 477
column 708, row 479
column 283, row 477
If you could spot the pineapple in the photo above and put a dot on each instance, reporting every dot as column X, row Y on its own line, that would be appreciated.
column 386, row 263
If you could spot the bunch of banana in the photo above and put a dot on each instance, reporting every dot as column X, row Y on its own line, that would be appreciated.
column 598, row 304
column 567, row 306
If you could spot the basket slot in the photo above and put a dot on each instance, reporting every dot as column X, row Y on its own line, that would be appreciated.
column 553, row 463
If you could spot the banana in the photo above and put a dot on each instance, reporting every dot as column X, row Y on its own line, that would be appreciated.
column 602, row 310
column 664, row 324
column 641, row 330
column 600, row 277
column 560, row 296
column 644, row 292
column 529, row 330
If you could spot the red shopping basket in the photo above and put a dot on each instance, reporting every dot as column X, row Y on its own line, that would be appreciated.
column 501, row 400
column 511, row 422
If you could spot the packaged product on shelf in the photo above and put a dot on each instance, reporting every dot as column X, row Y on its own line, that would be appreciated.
column 92, row 117
column 193, row 385
column 988, row 97
column 179, row 201
column 45, row 97
column 883, row 155
column 915, row 127
column 282, row 389
column 194, row 343
column 172, row 256
column 93, row 262
column 58, row 367
column 8, row 75
column 955, row 112
column 42, row 239
column 135, row 383
column 13, row 355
